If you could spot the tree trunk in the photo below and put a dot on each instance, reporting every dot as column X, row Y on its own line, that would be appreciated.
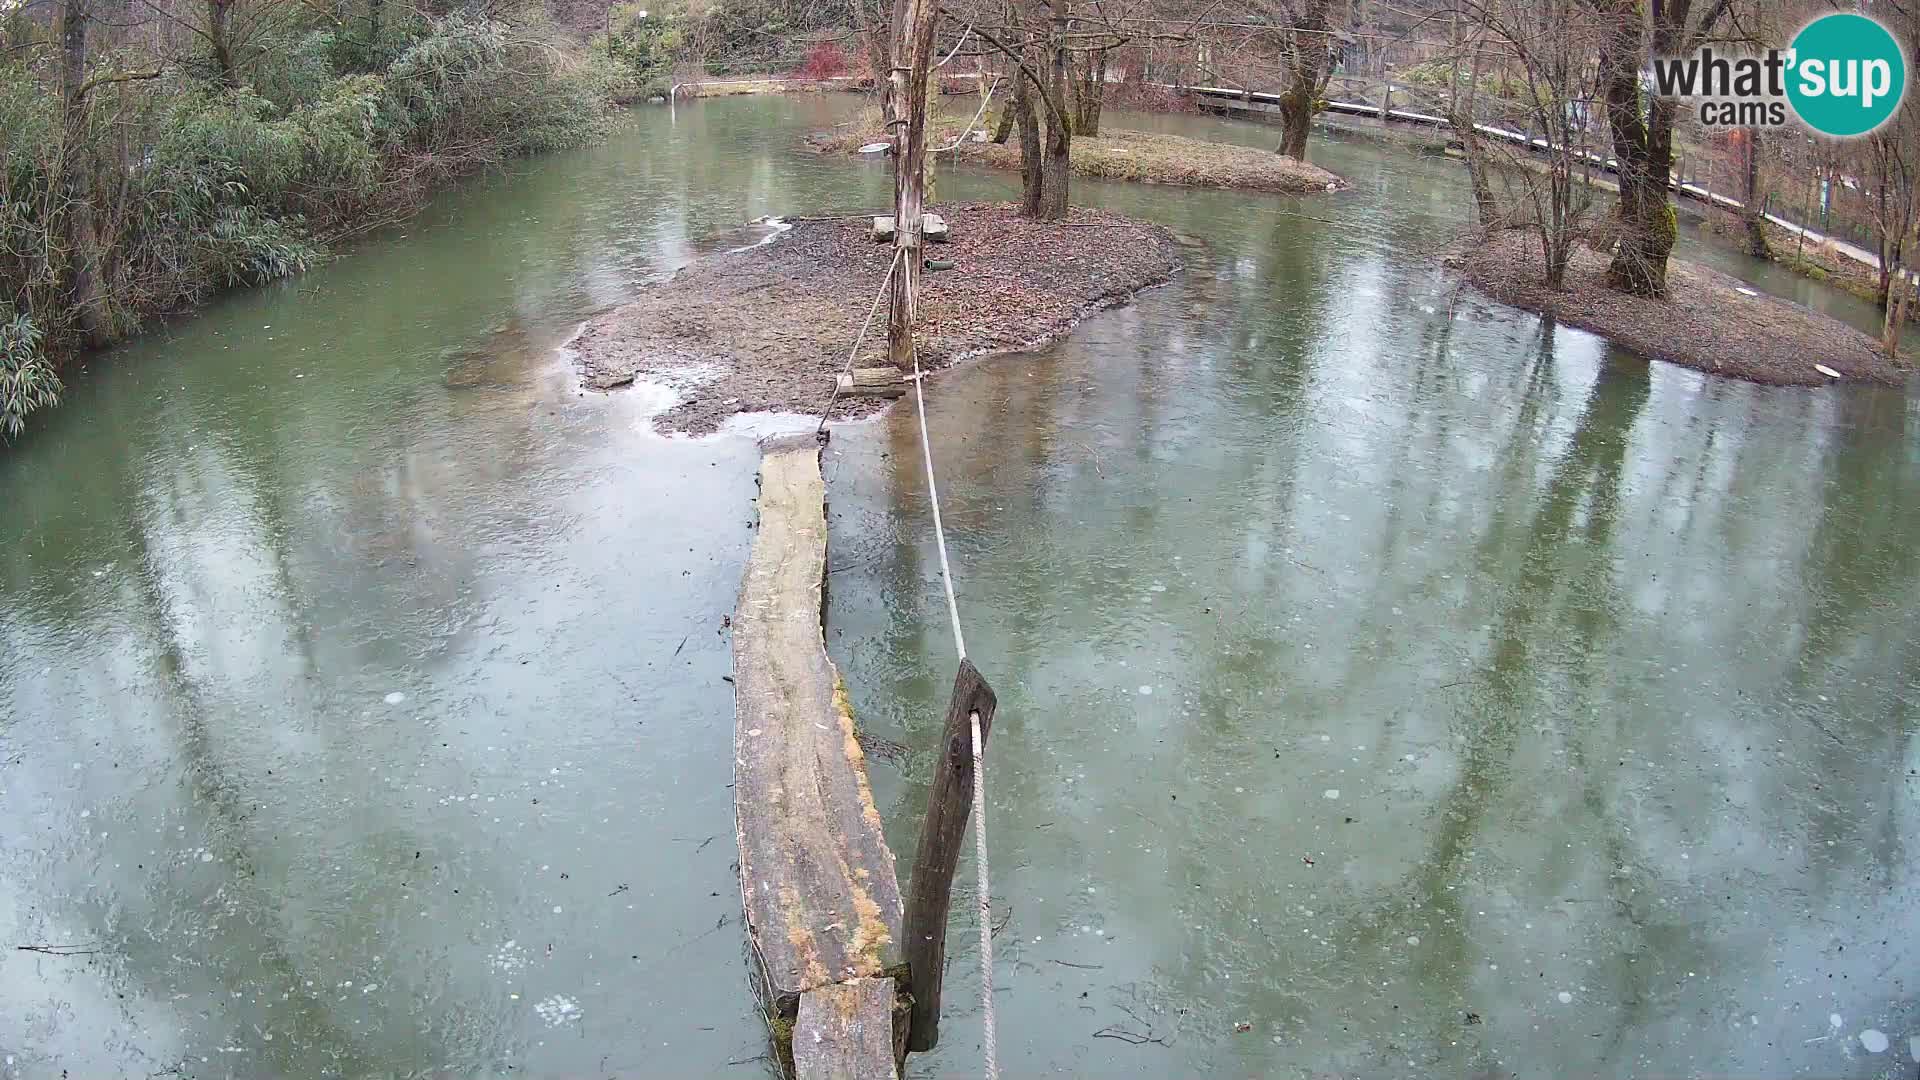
column 1043, row 162
column 907, row 86
column 1031, row 177
column 80, row 231
column 1054, row 182
column 1089, row 95
column 1308, row 68
column 1461, row 116
column 1643, row 145
column 1896, row 316
column 1751, row 200
column 1003, row 130
column 218, row 37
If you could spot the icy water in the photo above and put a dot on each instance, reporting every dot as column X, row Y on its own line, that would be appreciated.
column 1388, row 683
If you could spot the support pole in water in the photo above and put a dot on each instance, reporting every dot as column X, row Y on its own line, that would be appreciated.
column 930, row 890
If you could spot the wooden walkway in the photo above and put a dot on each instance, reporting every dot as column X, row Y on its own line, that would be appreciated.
column 817, row 880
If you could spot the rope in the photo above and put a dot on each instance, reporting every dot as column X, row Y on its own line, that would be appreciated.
column 982, row 879
column 954, row 146
column 992, row 1043
column 939, row 530
column 858, row 338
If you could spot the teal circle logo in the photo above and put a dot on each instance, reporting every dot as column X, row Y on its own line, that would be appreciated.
column 1848, row 75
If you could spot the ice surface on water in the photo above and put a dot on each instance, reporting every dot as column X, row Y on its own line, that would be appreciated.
column 557, row 1010
column 508, row 958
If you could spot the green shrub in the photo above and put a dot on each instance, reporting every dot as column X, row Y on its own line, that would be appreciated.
column 196, row 187
column 643, row 42
column 27, row 379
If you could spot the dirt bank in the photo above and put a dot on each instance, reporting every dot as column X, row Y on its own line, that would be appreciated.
column 1704, row 323
column 1116, row 154
column 766, row 329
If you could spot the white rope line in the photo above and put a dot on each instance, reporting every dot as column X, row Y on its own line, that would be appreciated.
column 982, row 880
column 933, row 496
column 991, row 1040
column 964, row 35
column 954, row 146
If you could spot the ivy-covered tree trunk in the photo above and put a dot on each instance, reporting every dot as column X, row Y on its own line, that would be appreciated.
column 1896, row 314
column 1309, row 66
column 1642, row 133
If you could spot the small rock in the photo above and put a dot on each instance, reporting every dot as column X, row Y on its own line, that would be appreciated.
column 1874, row 1040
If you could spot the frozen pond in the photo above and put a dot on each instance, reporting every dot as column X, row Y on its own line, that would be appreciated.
column 1388, row 685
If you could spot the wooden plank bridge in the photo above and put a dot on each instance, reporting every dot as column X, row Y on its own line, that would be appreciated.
column 817, row 879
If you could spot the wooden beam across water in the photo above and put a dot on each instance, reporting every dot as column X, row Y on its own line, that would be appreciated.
column 817, row 879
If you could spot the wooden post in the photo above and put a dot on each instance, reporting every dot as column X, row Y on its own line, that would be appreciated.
column 1386, row 102
column 907, row 88
column 938, row 856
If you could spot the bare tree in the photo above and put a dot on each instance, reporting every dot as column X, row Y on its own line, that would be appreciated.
column 1462, row 98
column 1547, row 43
column 1284, row 47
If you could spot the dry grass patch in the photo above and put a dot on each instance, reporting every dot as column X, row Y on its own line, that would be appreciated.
column 1116, row 154
column 1705, row 322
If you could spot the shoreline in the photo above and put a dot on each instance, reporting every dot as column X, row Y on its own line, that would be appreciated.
column 1709, row 321
column 767, row 328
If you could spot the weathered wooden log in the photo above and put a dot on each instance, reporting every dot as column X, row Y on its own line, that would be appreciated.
column 846, row 1032
column 930, row 890
column 816, row 877
column 932, row 227
column 873, row 382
